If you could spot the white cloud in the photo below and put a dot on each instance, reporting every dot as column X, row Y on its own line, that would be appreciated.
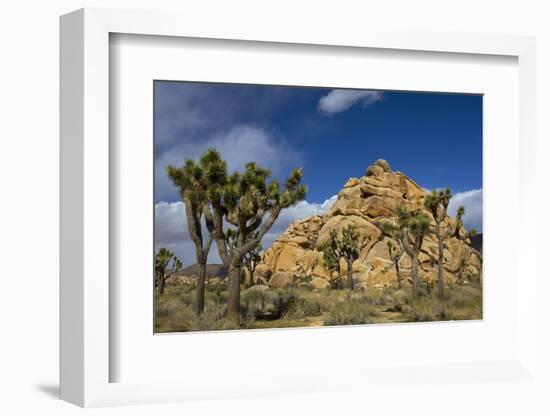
column 171, row 227
column 473, row 204
column 238, row 146
column 337, row 101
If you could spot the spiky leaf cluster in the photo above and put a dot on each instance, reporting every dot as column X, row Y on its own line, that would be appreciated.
column 415, row 224
column 419, row 224
column 437, row 202
column 245, row 197
column 394, row 250
column 163, row 258
column 389, row 229
column 348, row 244
column 331, row 253
column 215, row 174
column 189, row 180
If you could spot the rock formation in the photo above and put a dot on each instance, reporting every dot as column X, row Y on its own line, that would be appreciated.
column 364, row 202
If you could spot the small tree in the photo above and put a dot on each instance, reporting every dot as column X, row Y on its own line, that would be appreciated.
column 348, row 248
column 437, row 203
column 413, row 227
column 163, row 258
column 331, row 258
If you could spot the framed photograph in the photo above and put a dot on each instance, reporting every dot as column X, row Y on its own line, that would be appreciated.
column 358, row 243
column 321, row 213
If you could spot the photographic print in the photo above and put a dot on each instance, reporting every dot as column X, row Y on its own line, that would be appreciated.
column 287, row 206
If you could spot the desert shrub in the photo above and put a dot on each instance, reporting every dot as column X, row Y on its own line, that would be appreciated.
column 213, row 285
column 261, row 303
column 212, row 318
column 465, row 302
column 424, row 289
column 166, row 306
column 396, row 299
column 217, row 297
column 462, row 296
column 426, row 310
column 460, row 302
column 352, row 312
column 306, row 303
column 379, row 297
column 302, row 279
column 401, row 296
column 172, row 316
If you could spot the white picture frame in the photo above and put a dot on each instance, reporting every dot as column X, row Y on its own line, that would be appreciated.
column 86, row 356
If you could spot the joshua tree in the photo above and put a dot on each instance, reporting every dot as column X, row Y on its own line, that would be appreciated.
column 348, row 248
column 395, row 250
column 191, row 182
column 412, row 227
column 458, row 222
column 250, row 204
column 251, row 260
column 395, row 255
column 331, row 258
column 163, row 257
column 437, row 203
column 467, row 238
column 464, row 262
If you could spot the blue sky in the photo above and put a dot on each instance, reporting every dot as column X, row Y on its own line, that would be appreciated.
column 436, row 139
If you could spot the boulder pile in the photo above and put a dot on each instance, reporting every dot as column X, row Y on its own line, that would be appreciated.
column 365, row 202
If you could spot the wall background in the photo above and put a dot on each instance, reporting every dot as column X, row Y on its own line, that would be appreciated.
column 29, row 207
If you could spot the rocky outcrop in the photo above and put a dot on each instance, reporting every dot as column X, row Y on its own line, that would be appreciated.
column 364, row 202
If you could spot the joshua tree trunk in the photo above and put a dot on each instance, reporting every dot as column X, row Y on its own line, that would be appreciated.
column 235, row 259
column 440, row 285
column 414, row 274
column 162, row 281
column 437, row 203
column 350, row 274
column 200, row 287
column 412, row 252
column 397, row 272
column 233, row 303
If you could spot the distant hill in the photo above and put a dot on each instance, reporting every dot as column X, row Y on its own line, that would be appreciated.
column 477, row 242
column 212, row 270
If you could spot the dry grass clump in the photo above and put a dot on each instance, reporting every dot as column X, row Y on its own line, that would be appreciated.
column 267, row 304
column 461, row 302
column 352, row 312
